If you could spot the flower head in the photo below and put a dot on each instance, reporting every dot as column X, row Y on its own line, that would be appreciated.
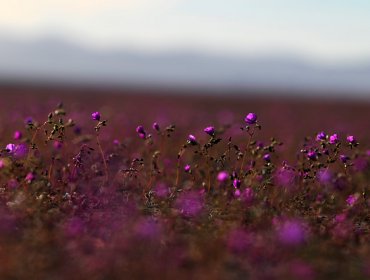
column 351, row 139
column 141, row 131
column 187, row 168
column 28, row 120
column 312, row 155
column 156, row 126
column 222, row 176
column 320, row 136
column 20, row 151
column 17, row 135
column 251, row 118
column 10, row 148
column 192, row 140
column 237, row 183
column 343, row 158
column 333, row 139
column 30, row 177
column 351, row 199
column 210, row 130
column 267, row 157
column 95, row 116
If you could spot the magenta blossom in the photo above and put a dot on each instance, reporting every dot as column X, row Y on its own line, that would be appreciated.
column 351, row 139
column 96, row 116
column 187, row 168
column 237, row 183
column 222, row 176
column 30, row 177
column 352, row 199
column 17, row 135
column 333, row 139
column 321, row 136
column 141, row 131
column 251, row 118
column 210, row 130
column 192, row 140
column 156, row 126
column 10, row 148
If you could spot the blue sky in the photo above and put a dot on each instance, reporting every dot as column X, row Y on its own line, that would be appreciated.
column 325, row 30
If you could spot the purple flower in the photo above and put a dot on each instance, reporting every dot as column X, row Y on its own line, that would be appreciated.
column 312, row 155
column 28, row 120
column 10, row 148
column 30, row 177
column 156, row 126
column 351, row 140
column 210, row 130
column 251, row 118
column 343, row 158
column 192, row 140
column 116, row 142
column 95, row 116
column 320, row 136
column 17, row 135
column 236, row 183
column 187, row 168
column 237, row 193
column 141, row 131
column 222, row 176
column 351, row 199
column 20, row 151
column 291, row 232
column 333, row 139
column 267, row 157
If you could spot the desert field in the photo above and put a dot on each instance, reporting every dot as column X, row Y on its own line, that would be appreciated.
column 162, row 184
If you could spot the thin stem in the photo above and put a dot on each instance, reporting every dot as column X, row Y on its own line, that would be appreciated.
column 33, row 139
column 177, row 173
column 246, row 149
column 103, row 157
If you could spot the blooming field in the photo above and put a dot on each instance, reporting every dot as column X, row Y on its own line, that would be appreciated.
column 138, row 187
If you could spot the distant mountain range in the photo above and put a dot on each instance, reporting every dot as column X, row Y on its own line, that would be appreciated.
column 56, row 60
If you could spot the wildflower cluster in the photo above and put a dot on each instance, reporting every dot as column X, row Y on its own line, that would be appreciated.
column 163, row 202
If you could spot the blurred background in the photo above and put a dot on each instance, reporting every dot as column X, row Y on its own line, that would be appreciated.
column 265, row 47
